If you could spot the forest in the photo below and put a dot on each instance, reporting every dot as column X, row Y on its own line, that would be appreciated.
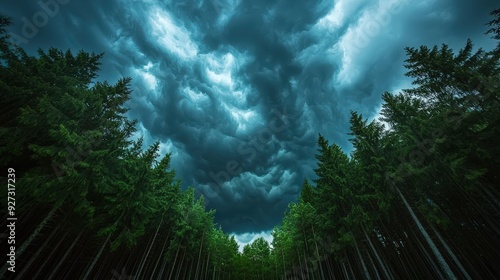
column 418, row 198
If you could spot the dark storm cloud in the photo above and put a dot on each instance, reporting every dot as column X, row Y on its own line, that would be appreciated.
column 239, row 90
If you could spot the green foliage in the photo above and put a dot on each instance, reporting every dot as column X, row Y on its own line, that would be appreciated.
column 434, row 142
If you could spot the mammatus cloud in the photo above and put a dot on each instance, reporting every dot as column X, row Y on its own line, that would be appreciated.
column 239, row 90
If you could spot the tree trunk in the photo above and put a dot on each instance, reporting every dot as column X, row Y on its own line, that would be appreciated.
column 437, row 254
column 450, row 252
column 344, row 269
column 363, row 265
column 87, row 273
column 305, row 263
column 436, row 269
column 199, row 256
column 374, row 267
column 379, row 260
column 317, row 253
column 31, row 238
column 190, row 270
column 329, row 267
column 65, row 256
column 89, row 270
column 49, row 257
column 160, row 274
column 149, row 250
column 173, row 265
column 103, row 264
column 159, row 257
column 40, row 249
column 283, row 258
column 350, row 266
column 208, row 265
column 180, row 264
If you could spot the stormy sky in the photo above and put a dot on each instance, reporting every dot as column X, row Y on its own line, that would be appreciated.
column 238, row 91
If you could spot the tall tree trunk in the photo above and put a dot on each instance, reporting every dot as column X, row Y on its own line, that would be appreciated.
column 344, row 269
column 363, row 265
column 180, row 264
column 350, row 266
column 199, row 256
column 379, row 260
column 162, row 270
column 140, row 260
column 317, row 253
column 36, row 232
column 190, row 270
column 300, row 264
column 305, row 263
column 182, row 269
column 283, row 258
column 149, row 250
column 160, row 274
column 442, row 262
column 450, row 252
column 76, row 263
column 374, row 267
column 331, row 274
column 89, row 270
column 40, row 249
column 54, row 271
column 208, row 265
column 275, row 268
column 159, row 257
column 49, row 257
column 102, row 265
column 30, row 239
column 173, row 265
column 436, row 269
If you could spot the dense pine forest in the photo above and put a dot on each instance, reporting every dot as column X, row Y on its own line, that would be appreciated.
column 418, row 198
